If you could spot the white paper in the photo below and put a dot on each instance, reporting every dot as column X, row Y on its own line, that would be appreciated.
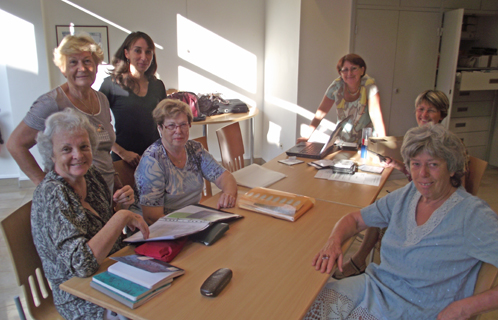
column 358, row 178
column 373, row 169
column 323, row 174
column 254, row 176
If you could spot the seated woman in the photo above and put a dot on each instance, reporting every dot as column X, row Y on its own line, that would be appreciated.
column 171, row 171
column 437, row 237
column 73, row 225
column 352, row 93
column 431, row 106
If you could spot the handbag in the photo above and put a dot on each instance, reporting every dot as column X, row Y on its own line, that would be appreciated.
column 191, row 99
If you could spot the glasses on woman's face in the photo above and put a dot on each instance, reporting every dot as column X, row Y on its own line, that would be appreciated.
column 352, row 69
column 173, row 126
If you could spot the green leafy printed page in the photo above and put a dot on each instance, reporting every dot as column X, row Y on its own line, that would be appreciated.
column 202, row 213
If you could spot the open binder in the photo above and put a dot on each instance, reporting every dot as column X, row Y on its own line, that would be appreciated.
column 278, row 204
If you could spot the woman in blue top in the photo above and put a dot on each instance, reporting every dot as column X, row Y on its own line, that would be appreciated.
column 353, row 93
column 133, row 92
column 171, row 172
column 438, row 235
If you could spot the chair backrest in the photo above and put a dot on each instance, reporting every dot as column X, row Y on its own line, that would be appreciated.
column 486, row 279
column 476, row 171
column 231, row 147
column 126, row 172
column 207, row 191
column 27, row 264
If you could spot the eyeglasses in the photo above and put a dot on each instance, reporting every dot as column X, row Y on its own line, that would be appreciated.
column 428, row 110
column 172, row 127
column 352, row 69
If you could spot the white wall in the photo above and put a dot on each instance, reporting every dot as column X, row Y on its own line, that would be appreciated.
column 324, row 39
column 23, row 70
column 238, row 22
column 281, row 75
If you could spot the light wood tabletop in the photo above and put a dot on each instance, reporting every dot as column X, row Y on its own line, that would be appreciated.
column 271, row 263
column 301, row 180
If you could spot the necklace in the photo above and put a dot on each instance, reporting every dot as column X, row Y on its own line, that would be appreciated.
column 353, row 93
column 86, row 107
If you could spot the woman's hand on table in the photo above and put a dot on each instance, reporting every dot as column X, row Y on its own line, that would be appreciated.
column 302, row 139
column 227, row 200
column 329, row 255
column 124, row 197
column 136, row 221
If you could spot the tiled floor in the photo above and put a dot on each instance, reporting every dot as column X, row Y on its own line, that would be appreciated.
column 12, row 197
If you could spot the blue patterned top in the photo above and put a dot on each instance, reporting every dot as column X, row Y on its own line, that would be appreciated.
column 425, row 268
column 161, row 183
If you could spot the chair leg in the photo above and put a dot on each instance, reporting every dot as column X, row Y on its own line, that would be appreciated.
column 20, row 310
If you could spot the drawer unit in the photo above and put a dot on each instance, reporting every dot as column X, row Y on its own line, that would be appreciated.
column 458, row 125
column 478, row 81
column 471, row 109
column 473, row 139
column 473, row 95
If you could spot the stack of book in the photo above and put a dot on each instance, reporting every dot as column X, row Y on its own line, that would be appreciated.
column 135, row 279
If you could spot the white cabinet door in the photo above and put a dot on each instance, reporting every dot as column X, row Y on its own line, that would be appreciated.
column 415, row 68
column 450, row 44
column 400, row 49
column 375, row 42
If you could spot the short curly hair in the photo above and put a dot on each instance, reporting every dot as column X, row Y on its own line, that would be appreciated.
column 74, row 45
column 68, row 120
column 439, row 143
column 170, row 108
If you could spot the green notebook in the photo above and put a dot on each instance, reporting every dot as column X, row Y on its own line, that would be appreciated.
column 124, row 287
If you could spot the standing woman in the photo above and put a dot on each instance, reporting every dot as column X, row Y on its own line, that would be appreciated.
column 353, row 93
column 77, row 57
column 133, row 92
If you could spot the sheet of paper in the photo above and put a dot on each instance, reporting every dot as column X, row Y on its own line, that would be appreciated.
column 358, row 178
column 323, row 174
column 373, row 169
column 254, row 176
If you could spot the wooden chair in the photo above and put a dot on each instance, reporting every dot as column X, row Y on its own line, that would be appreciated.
column 476, row 171
column 207, row 191
column 27, row 264
column 231, row 147
column 126, row 172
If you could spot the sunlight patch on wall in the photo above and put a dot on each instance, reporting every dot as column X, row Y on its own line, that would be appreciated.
column 93, row 14
column 194, row 82
column 216, row 55
column 273, row 135
column 323, row 130
column 23, row 55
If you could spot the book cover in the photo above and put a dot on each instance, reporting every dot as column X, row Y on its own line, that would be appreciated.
column 183, row 222
column 126, row 288
column 145, row 271
column 127, row 302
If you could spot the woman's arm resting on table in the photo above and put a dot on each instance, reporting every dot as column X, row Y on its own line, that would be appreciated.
column 322, row 111
column 226, row 182
column 130, row 157
column 20, row 141
column 101, row 244
column 345, row 228
column 152, row 214
column 375, row 113
column 474, row 305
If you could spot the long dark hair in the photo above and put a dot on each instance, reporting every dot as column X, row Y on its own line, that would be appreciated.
column 121, row 73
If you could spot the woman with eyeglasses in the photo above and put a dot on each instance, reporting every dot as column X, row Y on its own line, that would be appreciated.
column 353, row 93
column 133, row 92
column 171, row 171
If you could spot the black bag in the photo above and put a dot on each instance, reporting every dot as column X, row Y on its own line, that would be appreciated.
column 233, row 106
column 191, row 99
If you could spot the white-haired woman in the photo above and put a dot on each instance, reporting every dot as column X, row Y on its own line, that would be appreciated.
column 73, row 224
column 437, row 237
column 77, row 57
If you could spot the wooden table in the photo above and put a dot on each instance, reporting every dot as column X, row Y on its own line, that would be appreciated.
column 229, row 118
column 301, row 180
column 271, row 263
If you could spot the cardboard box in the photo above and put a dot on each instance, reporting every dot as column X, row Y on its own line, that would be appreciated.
column 482, row 62
column 387, row 146
column 493, row 62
